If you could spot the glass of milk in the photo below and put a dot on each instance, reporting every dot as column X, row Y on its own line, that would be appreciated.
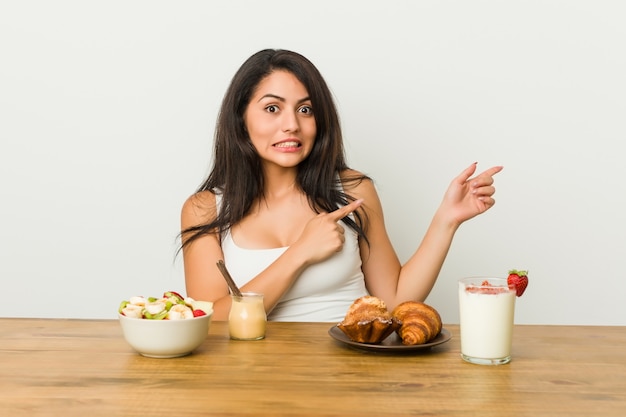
column 247, row 319
column 486, row 311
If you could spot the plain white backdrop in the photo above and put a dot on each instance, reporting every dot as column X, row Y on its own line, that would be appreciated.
column 107, row 110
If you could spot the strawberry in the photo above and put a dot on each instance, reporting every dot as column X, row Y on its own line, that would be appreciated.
column 199, row 313
column 518, row 280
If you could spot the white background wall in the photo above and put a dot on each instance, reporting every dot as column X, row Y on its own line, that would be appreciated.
column 107, row 110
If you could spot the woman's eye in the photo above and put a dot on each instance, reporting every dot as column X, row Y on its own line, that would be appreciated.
column 306, row 110
column 272, row 109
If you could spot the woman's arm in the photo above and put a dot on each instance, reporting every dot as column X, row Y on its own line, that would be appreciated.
column 200, row 257
column 384, row 276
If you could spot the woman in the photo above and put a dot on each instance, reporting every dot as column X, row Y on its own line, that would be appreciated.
column 287, row 215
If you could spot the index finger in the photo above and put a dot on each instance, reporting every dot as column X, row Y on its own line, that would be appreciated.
column 491, row 171
column 342, row 212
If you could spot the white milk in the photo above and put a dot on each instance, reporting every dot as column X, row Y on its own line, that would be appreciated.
column 486, row 322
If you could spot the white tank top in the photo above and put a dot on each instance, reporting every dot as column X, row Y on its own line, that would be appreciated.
column 322, row 293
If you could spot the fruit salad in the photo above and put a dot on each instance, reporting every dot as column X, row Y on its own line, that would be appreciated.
column 171, row 306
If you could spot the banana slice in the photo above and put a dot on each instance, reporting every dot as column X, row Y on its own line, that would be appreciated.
column 180, row 311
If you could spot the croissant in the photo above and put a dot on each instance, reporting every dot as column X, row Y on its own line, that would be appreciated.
column 368, row 321
column 420, row 322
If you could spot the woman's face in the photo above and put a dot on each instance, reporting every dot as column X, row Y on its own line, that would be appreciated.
column 280, row 120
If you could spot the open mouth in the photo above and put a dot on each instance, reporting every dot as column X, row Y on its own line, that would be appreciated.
column 288, row 144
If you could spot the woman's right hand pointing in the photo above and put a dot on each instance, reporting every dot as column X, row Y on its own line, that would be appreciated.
column 323, row 235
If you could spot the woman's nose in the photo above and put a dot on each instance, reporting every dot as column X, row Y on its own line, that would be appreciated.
column 290, row 122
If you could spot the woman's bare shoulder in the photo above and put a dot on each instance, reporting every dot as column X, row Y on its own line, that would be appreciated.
column 356, row 183
column 199, row 208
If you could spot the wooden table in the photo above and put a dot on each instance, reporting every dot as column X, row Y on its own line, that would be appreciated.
column 85, row 368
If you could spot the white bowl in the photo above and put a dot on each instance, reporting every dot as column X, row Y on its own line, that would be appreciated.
column 165, row 338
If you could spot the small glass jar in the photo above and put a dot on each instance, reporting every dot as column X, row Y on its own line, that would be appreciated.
column 247, row 318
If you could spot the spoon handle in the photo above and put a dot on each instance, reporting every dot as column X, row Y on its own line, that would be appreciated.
column 229, row 280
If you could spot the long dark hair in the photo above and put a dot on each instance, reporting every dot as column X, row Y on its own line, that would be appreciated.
column 237, row 174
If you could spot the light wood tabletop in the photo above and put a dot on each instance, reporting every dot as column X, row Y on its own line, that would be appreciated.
column 51, row 367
